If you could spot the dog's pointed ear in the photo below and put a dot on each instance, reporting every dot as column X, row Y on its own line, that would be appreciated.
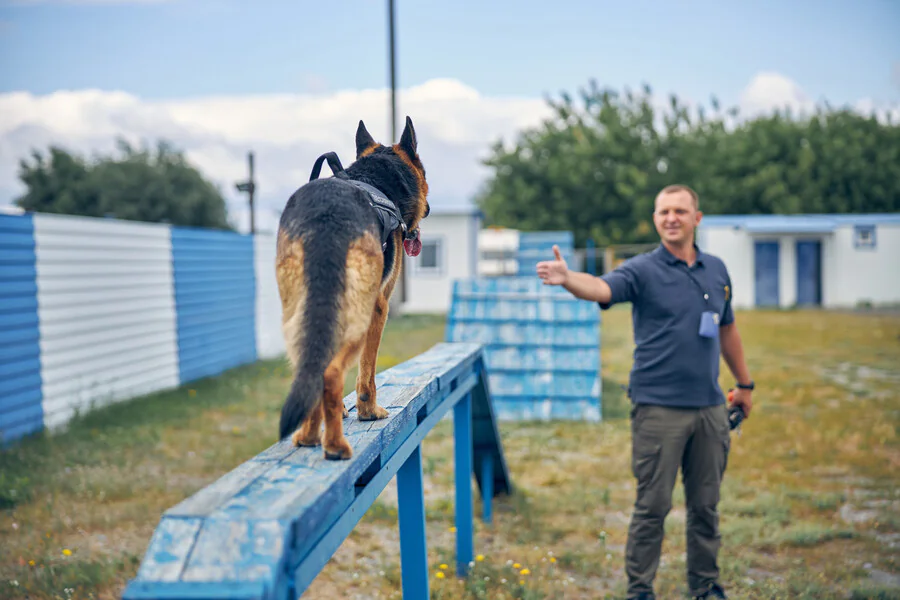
column 364, row 139
column 408, row 139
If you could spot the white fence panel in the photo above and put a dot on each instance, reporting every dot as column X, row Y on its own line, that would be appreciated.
column 107, row 312
column 269, row 339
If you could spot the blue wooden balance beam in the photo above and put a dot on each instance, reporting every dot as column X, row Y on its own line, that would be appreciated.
column 267, row 528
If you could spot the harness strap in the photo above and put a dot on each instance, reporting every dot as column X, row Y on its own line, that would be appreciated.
column 388, row 214
column 334, row 163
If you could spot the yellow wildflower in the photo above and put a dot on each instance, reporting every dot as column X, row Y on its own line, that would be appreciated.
column 444, row 567
column 453, row 530
column 67, row 552
column 440, row 575
column 517, row 566
column 480, row 557
column 553, row 559
column 31, row 563
column 524, row 572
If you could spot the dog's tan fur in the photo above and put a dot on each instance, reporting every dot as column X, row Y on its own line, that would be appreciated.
column 361, row 318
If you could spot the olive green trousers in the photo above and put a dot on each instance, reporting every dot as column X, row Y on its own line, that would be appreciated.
column 696, row 440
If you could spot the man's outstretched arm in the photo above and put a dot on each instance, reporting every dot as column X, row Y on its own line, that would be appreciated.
column 581, row 285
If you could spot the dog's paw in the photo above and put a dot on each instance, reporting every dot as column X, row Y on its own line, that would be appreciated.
column 346, row 412
column 308, row 440
column 371, row 413
column 339, row 450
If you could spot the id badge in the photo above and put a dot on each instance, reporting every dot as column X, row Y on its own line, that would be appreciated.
column 709, row 324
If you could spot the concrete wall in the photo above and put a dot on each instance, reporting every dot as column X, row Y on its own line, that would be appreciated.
column 854, row 275
column 455, row 237
column 850, row 273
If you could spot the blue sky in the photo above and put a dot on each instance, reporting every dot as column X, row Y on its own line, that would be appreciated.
column 834, row 49
column 290, row 80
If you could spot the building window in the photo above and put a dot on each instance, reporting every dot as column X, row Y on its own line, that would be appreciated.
column 430, row 259
column 864, row 236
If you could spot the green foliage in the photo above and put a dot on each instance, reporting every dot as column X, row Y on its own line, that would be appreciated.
column 140, row 185
column 595, row 166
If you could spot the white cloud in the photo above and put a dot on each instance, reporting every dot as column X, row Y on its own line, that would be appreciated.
column 769, row 91
column 455, row 125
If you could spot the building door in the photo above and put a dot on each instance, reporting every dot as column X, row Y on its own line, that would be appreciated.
column 809, row 272
column 766, row 273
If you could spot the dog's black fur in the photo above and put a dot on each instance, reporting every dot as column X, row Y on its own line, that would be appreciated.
column 326, row 216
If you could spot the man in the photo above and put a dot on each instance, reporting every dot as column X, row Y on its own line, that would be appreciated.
column 682, row 319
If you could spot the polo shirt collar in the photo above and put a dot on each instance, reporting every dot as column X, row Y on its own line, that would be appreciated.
column 671, row 259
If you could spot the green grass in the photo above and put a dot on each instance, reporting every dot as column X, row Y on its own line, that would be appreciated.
column 809, row 503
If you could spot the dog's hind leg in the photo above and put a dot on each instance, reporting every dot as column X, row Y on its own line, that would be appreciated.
column 361, row 276
column 334, row 442
column 310, row 434
column 366, row 402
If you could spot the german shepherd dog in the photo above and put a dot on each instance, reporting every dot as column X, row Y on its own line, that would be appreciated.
column 336, row 266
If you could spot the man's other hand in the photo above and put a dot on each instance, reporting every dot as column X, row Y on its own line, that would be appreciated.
column 741, row 398
column 553, row 272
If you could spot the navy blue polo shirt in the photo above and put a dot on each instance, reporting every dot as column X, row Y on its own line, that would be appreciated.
column 673, row 364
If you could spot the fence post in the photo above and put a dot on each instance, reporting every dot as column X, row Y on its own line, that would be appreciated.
column 462, row 439
column 411, row 517
column 590, row 257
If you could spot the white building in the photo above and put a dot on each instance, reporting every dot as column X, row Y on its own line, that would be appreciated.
column 833, row 261
column 497, row 247
column 449, row 251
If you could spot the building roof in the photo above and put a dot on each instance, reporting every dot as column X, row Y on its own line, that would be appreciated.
column 806, row 223
column 450, row 207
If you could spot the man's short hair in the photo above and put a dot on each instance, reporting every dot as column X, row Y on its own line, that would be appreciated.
column 677, row 187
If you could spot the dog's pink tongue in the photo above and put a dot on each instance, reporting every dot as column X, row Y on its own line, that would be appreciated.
column 413, row 246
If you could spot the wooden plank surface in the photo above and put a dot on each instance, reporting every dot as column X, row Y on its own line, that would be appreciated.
column 169, row 548
column 256, row 521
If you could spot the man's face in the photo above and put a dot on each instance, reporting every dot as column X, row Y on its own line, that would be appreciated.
column 676, row 217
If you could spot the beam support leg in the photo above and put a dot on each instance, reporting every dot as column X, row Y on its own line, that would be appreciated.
column 411, row 517
column 462, row 439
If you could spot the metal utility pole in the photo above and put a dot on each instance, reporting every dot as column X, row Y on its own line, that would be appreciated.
column 249, row 186
column 393, row 72
column 393, row 76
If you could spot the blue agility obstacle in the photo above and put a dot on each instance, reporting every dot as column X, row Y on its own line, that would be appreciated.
column 267, row 528
column 541, row 346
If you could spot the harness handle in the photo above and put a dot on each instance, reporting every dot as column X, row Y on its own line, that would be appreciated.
column 334, row 163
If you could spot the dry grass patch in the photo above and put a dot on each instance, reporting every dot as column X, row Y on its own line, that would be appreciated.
column 809, row 510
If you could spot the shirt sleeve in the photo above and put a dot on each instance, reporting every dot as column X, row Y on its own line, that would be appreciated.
column 624, row 283
column 728, row 313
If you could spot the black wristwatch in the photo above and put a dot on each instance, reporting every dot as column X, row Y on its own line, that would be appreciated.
column 747, row 386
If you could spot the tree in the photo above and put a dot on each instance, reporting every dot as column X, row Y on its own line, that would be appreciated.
column 157, row 186
column 594, row 167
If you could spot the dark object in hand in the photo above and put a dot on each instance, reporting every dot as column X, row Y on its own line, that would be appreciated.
column 735, row 413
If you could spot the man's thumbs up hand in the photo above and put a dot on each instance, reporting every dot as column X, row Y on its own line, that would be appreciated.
column 553, row 272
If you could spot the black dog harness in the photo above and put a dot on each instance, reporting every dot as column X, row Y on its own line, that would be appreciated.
column 388, row 214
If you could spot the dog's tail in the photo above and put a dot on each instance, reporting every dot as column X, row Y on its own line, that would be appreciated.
column 331, row 291
column 314, row 279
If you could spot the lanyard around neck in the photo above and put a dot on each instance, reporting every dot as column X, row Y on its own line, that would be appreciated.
column 700, row 286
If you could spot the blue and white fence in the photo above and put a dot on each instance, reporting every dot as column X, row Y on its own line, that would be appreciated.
column 95, row 311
